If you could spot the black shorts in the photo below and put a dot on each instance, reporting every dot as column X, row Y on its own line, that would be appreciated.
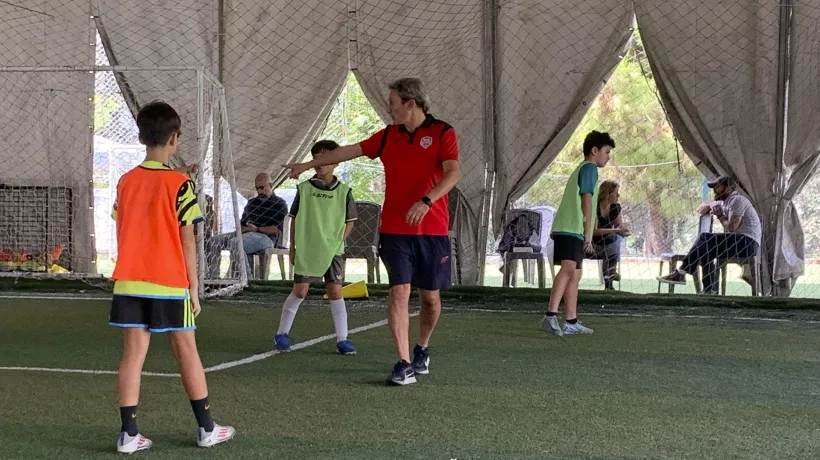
column 156, row 315
column 567, row 247
column 422, row 261
column 335, row 274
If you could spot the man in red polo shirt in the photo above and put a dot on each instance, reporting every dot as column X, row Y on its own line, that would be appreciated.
column 420, row 157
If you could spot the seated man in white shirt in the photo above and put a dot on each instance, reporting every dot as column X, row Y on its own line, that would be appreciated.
column 741, row 237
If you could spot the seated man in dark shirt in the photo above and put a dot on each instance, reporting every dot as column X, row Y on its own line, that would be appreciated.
column 262, row 223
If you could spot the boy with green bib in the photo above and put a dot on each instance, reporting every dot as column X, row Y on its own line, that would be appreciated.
column 322, row 217
column 572, row 230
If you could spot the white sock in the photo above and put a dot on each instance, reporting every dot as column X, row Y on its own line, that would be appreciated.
column 339, row 312
column 289, row 313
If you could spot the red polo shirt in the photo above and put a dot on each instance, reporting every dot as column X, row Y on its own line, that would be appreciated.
column 413, row 165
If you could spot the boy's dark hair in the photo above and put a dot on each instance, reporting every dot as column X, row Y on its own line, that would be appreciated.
column 323, row 145
column 597, row 139
column 157, row 122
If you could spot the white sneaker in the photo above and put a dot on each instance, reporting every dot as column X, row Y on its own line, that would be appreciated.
column 220, row 434
column 130, row 444
column 550, row 324
column 577, row 328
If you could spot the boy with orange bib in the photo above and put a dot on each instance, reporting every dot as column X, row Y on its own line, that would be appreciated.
column 155, row 279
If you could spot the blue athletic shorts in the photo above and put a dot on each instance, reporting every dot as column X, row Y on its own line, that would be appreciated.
column 422, row 261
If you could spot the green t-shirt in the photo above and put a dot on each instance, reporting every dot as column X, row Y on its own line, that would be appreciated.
column 569, row 219
column 321, row 213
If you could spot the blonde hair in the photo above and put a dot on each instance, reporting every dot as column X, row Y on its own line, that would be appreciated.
column 607, row 188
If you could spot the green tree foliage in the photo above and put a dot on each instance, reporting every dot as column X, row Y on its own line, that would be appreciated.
column 352, row 120
column 809, row 209
column 104, row 107
column 660, row 186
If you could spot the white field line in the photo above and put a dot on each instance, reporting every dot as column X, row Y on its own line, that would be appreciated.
column 218, row 367
column 51, row 297
column 78, row 371
column 298, row 346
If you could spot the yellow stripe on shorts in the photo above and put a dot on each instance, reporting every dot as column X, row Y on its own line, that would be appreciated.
column 189, row 314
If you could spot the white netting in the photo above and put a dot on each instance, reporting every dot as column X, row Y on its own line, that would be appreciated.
column 117, row 151
column 714, row 68
column 705, row 88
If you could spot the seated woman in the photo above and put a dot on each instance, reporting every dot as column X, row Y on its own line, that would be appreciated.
column 606, row 239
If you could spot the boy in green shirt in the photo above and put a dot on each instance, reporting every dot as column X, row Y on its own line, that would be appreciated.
column 322, row 217
column 572, row 233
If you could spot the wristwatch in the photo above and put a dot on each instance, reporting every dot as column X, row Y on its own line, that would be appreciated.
column 426, row 200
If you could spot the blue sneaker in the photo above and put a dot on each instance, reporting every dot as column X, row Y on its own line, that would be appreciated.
column 282, row 343
column 345, row 347
column 421, row 360
column 402, row 374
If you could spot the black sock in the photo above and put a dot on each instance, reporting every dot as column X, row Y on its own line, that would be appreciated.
column 202, row 412
column 552, row 313
column 128, row 415
column 572, row 321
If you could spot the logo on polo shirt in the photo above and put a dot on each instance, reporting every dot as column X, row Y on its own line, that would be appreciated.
column 426, row 142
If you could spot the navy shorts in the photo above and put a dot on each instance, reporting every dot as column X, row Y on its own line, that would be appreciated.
column 156, row 315
column 422, row 261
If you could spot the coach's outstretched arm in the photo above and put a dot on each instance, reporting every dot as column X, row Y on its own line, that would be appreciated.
column 342, row 154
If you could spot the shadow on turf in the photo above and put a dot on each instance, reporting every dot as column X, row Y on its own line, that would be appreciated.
column 103, row 440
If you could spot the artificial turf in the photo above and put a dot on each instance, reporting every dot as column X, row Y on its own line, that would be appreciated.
column 640, row 387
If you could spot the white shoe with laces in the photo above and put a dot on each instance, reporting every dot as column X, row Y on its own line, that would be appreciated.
column 219, row 435
column 550, row 324
column 130, row 444
column 577, row 328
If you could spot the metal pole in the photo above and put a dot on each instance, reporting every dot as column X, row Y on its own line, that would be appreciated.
column 243, row 275
column 783, row 63
column 92, row 240
column 490, row 50
column 781, row 129
column 704, row 190
column 216, row 166
column 200, row 157
column 97, row 68
column 220, row 40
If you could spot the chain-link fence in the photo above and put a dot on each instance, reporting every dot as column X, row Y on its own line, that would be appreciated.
column 687, row 89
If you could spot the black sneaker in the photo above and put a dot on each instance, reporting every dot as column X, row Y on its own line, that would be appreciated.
column 402, row 374
column 675, row 277
column 421, row 360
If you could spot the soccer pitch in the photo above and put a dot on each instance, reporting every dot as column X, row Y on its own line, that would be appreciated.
column 643, row 386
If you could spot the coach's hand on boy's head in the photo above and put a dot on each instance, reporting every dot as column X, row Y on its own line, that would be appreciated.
column 296, row 169
column 187, row 169
column 416, row 213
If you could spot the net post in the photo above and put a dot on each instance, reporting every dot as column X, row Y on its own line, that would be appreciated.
column 200, row 158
